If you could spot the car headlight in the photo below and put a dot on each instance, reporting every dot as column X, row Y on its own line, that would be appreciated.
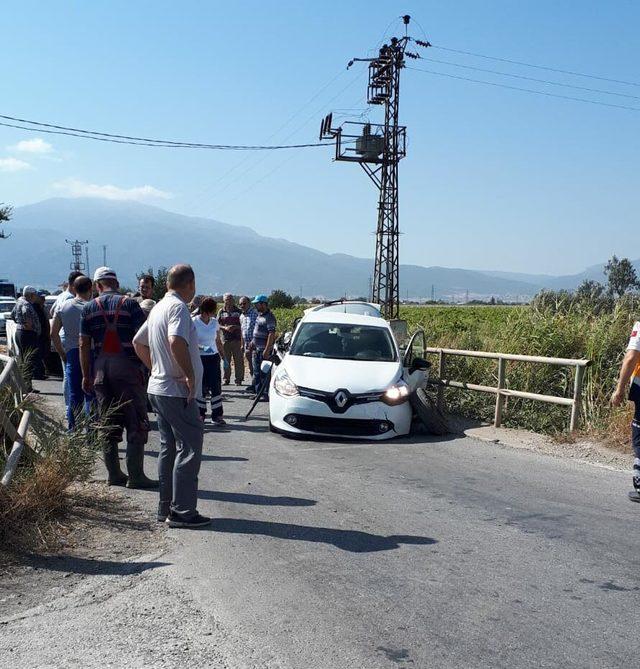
column 396, row 394
column 284, row 385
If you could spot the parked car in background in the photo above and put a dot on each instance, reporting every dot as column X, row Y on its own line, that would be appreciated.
column 344, row 375
column 6, row 307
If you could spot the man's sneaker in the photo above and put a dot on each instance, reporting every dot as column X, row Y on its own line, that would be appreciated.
column 250, row 389
column 194, row 521
column 634, row 496
column 220, row 422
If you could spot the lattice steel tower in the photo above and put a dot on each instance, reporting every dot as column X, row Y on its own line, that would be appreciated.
column 379, row 148
column 76, row 253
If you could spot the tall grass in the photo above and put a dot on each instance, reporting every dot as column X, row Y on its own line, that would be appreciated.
column 36, row 498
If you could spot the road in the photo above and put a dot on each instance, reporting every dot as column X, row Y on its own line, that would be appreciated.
column 443, row 552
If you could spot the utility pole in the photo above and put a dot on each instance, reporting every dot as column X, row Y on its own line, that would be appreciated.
column 379, row 148
column 76, row 254
column 104, row 255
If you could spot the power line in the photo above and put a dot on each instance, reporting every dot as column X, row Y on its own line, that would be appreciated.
column 539, row 67
column 525, row 90
column 540, row 81
column 139, row 141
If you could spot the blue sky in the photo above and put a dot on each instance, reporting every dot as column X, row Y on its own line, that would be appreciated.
column 494, row 179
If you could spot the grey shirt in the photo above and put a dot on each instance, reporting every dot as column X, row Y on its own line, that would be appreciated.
column 169, row 318
column 70, row 313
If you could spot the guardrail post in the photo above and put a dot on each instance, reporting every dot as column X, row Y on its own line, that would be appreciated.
column 497, row 419
column 577, row 397
column 441, row 373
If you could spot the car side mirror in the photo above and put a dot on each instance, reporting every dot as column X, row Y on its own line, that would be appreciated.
column 419, row 364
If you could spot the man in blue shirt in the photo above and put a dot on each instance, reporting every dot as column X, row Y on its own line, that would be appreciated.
column 264, row 337
column 109, row 323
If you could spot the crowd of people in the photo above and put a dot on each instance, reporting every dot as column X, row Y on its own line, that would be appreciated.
column 126, row 355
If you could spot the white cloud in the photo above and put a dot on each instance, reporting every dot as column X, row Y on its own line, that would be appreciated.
column 13, row 165
column 77, row 188
column 36, row 145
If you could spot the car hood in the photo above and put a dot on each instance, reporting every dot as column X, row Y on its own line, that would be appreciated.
column 328, row 375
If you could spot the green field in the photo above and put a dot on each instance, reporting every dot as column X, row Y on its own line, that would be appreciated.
column 530, row 331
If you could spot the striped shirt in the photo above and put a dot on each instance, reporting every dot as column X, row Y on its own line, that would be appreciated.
column 130, row 320
column 248, row 323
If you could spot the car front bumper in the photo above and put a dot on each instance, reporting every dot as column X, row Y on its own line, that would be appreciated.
column 306, row 416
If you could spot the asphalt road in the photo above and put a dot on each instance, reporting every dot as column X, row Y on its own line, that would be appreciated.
column 411, row 553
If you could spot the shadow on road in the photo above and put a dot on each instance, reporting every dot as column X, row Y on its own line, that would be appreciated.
column 260, row 500
column 346, row 540
column 78, row 565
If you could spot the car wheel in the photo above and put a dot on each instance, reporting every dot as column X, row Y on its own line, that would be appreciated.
column 427, row 411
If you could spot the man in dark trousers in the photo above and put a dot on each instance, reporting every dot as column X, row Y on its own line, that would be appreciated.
column 109, row 323
column 264, row 337
column 44, row 338
column 629, row 387
column 27, row 333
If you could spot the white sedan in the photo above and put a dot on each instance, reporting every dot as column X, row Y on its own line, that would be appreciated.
column 343, row 375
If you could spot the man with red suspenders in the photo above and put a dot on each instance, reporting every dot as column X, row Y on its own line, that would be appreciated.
column 108, row 324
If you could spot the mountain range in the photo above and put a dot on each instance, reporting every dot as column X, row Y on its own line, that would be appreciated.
column 225, row 257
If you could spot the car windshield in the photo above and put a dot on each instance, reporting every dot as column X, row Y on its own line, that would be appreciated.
column 343, row 342
column 6, row 307
column 359, row 308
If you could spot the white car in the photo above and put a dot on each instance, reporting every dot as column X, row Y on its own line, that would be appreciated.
column 344, row 376
column 6, row 307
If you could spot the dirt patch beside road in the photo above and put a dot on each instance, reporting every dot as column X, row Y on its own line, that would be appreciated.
column 107, row 598
column 101, row 534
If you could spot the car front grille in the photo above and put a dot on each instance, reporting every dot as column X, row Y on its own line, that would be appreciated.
column 329, row 398
column 352, row 427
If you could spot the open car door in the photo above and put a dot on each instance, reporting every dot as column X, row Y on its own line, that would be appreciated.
column 414, row 363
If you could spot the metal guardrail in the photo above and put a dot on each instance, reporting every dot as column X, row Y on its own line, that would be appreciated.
column 501, row 391
column 11, row 378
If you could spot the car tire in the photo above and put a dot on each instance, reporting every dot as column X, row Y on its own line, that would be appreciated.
column 433, row 420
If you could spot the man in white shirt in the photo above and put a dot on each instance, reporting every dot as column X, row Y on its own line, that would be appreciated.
column 168, row 345
column 630, row 372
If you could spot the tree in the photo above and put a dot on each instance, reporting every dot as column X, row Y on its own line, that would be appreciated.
column 621, row 276
column 6, row 212
column 160, row 285
column 280, row 300
column 590, row 291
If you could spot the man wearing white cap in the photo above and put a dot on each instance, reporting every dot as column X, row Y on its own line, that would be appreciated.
column 27, row 331
column 109, row 323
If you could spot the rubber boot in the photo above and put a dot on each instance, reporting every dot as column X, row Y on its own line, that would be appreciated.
column 112, row 462
column 137, row 478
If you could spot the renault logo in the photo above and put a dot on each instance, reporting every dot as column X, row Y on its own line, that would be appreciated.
column 341, row 398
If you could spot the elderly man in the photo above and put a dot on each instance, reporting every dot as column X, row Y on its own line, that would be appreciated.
column 229, row 321
column 168, row 345
column 109, row 323
column 247, row 325
column 27, row 332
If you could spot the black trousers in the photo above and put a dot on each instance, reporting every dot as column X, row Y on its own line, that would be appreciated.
column 28, row 345
column 211, row 386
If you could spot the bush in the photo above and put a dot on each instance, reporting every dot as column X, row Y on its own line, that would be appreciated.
column 32, row 505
